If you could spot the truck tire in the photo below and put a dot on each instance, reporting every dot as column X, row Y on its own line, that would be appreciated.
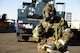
column 22, row 38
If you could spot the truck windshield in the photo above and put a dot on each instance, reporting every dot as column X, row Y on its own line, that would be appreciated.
column 32, row 15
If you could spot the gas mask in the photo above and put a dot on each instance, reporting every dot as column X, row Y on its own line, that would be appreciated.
column 50, row 18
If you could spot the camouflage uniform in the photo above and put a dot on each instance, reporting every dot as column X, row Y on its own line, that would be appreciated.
column 53, row 34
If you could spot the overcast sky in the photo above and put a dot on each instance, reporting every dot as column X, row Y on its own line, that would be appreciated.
column 10, row 7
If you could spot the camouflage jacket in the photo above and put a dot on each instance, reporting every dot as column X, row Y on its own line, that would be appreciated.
column 52, row 31
column 57, row 27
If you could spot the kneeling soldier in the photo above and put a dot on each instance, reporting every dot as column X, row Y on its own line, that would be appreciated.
column 52, row 34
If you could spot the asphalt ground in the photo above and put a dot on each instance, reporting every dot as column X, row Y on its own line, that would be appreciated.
column 9, row 44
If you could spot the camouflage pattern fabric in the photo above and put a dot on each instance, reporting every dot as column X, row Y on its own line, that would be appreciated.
column 48, row 7
column 62, row 33
column 51, row 35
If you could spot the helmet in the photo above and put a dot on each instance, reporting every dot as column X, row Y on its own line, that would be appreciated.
column 4, row 17
column 48, row 7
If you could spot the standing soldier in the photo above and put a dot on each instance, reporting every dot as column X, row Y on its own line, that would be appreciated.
column 4, row 17
column 52, row 34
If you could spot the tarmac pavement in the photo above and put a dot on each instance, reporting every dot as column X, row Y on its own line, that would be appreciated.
column 9, row 44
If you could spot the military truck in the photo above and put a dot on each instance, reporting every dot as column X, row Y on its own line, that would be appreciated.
column 29, row 15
